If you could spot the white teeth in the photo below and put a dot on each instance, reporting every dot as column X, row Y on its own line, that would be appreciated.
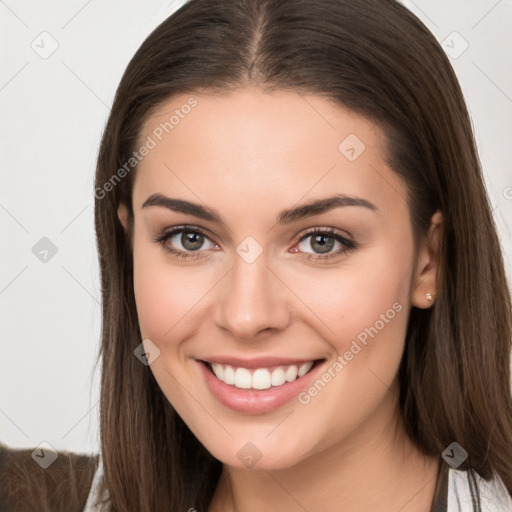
column 260, row 378
column 305, row 368
column 278, row 377
column 242, row 378
column 291, row 373
column 229, row 375
column 218, row 370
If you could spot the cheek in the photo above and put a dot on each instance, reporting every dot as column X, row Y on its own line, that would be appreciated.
column 371, row 288
column 164, row 293
column 365, row 307
column 166, row 298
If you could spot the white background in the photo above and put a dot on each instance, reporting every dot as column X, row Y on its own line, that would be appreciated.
column 53, row 112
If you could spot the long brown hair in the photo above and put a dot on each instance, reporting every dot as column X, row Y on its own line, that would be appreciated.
column 378, row 59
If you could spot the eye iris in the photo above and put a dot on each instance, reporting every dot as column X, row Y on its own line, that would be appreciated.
column 323, row 245
column 192, row 241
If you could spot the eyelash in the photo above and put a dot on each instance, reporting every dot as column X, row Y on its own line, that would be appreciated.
column 164, row 237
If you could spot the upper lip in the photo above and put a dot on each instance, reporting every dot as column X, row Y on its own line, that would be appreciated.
column 256, row 362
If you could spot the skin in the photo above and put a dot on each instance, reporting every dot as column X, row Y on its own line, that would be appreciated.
column 250, row 154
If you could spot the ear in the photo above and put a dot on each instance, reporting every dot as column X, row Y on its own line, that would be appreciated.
column 427, row 265
column 122, row 214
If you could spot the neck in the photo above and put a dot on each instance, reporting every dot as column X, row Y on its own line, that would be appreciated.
column 376, row 467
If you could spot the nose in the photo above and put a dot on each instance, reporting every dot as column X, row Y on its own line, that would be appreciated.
column 253, row 299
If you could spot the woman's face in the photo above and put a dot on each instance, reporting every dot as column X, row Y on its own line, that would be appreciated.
column 254, row 288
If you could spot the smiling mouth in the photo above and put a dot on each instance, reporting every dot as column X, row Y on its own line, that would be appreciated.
column 260, row 378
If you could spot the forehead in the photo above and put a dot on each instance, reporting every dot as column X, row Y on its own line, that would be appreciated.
column 255, row 146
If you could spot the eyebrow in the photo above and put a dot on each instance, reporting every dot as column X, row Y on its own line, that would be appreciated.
column 288, row 216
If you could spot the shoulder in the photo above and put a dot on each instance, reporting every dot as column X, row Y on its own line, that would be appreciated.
column 494, row 496
column 62, row 486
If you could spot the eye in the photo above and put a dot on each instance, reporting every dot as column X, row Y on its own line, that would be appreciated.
column 322, row 242
column 183, row 241
column 188, row 242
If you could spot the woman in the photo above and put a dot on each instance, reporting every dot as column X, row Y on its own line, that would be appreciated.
column 304, row 300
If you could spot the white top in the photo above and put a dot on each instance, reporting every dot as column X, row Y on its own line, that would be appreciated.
column 94, row 492
column 494, row 496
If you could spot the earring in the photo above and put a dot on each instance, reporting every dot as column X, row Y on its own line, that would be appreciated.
column 428, row 296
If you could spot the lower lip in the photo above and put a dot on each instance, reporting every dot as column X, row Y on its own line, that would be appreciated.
column 256, row 401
